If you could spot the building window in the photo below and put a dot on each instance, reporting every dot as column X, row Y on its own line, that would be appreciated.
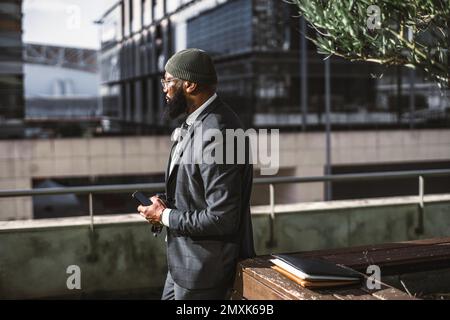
column 126, row 17
column 173, row 5
column 136, row 16
column 225, row 29
column 111, row 28
column 158, row 7
column 147, row 12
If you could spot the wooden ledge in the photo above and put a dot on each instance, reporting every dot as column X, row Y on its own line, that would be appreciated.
column 255, row 279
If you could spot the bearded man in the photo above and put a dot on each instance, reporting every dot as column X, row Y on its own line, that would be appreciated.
column 207, row 213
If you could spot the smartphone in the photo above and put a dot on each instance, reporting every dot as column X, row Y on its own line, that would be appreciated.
column 139, row 196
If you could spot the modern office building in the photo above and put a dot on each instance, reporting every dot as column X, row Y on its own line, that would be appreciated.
column 257, row 46
column 135, row 36
column 11, row 69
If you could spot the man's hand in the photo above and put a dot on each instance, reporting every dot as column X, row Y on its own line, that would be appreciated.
column 153, row 213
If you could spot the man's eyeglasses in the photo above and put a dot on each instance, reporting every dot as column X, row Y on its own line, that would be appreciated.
column 165, row 83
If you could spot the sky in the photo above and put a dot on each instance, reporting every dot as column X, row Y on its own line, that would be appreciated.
column 63, row 22
column 70, row 22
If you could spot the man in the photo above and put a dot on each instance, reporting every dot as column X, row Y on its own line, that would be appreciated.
column 208, row 220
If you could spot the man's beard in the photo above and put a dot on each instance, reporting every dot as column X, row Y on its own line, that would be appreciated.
column 177, row 105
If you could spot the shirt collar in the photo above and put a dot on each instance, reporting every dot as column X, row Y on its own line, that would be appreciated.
column 193, row 116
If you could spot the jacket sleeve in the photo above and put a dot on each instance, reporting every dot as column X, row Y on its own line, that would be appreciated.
column 222, row 190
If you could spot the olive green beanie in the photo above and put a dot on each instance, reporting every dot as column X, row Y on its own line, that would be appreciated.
column 193, row 65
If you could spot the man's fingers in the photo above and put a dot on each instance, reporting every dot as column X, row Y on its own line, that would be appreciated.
column 162, row 202
column 155, row 199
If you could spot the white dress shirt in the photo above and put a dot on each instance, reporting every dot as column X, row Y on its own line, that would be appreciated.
column 175, row 135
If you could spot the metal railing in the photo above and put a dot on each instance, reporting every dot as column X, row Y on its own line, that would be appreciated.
column 271, row 181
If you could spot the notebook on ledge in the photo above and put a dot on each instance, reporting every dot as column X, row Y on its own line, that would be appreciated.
column 314, row 283
column 314, row 269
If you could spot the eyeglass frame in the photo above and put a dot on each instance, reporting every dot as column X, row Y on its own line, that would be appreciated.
column 165, row 82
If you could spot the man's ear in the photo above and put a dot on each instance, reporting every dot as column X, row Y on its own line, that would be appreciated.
column 190, row 87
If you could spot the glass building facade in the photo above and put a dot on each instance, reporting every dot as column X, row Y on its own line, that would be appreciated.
column 257, row 48
column 11, row 69
column 136, row 40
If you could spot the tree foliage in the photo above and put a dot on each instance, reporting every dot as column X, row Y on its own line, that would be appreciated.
column 412, row 33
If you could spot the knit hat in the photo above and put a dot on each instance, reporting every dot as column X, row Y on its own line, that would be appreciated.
column 193, row 65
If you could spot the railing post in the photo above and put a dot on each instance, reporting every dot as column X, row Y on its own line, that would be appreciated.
column 272, row 242
column 91, row 212
column 420, row 227
column 272, row 200
column 421, row 191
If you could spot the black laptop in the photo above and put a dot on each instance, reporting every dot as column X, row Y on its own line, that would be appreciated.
column 314, row 269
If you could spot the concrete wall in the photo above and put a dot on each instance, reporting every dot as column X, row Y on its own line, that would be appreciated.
column 115, row 257
column 337, row 224
column 306, row 153
column 122, row 257
column 301, row 154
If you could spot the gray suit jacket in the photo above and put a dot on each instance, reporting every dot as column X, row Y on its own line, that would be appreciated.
column 210, row 224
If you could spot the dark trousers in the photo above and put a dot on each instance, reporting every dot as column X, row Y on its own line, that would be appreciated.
column 172, row 291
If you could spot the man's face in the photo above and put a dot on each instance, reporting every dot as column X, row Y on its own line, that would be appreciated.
column 175, row 97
